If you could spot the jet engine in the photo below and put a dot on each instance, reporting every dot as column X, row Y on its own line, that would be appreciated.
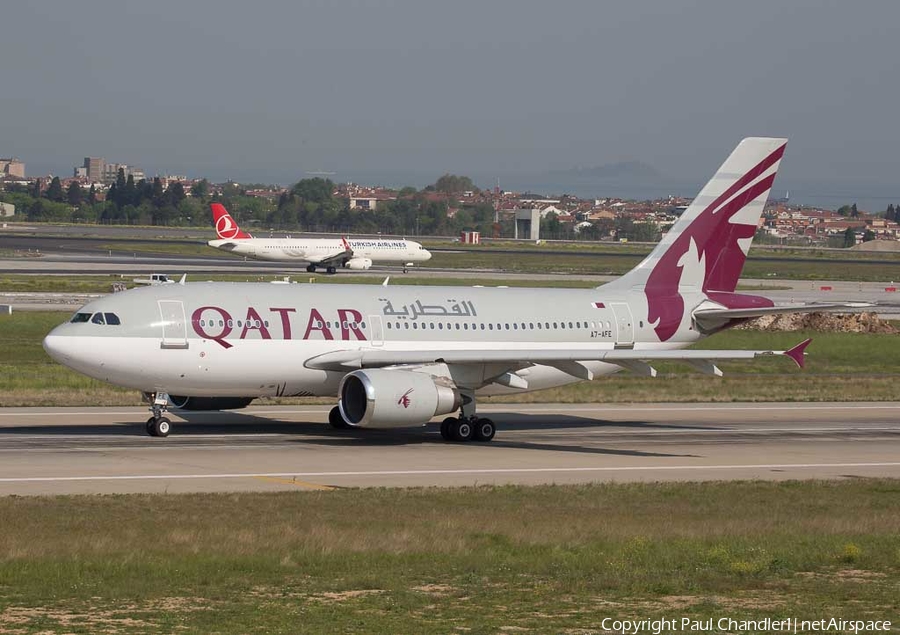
column 382, row 398
column 358, row 263
column 209, row 403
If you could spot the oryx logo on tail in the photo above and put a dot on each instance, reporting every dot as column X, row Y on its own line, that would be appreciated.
column 706, row 249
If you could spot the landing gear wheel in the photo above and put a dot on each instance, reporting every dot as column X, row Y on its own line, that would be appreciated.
column 463, row 430
column 149, row 427
column 405, row 270
column 484, row 430
column 336, row 420
column 160, row 427
column 447, row 428
column 331, row 270
column 311, row 268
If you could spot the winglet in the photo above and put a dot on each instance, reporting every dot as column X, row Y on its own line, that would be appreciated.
column 796, row 353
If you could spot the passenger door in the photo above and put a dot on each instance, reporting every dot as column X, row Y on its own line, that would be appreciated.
column 174, row 325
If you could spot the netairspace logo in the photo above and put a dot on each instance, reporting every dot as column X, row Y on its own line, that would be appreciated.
column 731, row 625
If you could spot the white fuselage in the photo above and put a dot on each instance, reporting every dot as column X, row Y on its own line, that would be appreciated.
column 251, row 340
column 319, row 249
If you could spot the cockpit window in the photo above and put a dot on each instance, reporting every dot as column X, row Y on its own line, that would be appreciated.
column 98, row 319
column 112, row 319
column 80, row 317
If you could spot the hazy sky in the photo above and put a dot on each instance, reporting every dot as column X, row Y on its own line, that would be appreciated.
column 267, row 90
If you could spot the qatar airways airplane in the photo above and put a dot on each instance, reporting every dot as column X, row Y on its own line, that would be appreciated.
column 329, row 253
column 400, row 356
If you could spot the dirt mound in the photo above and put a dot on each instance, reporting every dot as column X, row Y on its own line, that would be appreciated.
column 826, row 322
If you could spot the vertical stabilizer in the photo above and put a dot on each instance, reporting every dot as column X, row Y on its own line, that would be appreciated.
column 226, row 227
column 706, row 248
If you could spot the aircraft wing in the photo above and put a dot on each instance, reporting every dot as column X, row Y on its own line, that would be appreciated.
column 565, row 359
column 712, row 318
column 331, row 257
column 327, row 259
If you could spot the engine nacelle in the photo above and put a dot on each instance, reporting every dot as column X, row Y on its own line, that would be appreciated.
column 358, row 264
column 208, row 403
column 381, row 398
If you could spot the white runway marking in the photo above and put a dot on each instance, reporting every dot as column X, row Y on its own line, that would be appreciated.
column 533, row 470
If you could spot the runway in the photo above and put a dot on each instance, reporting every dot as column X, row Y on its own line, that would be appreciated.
column 105, row 450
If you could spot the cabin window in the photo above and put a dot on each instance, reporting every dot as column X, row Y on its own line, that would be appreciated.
column 362, row 324
column 98, row 319
column 482, row 326
column 457, row 326
column 230, row 323
column 490, row 327
column 539, row 326
column 406, row 325
column 570, row 325
column 389, row 325
column 415, row 326
column 515, row 326
column 531, row 325
column 80, row 317
column 239, row 324
column 466, row 326
column 555, row 325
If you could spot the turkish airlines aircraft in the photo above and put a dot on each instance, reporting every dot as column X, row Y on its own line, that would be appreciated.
column 330, row 253
column 399, row 356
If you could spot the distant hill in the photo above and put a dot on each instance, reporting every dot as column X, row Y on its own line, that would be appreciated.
column 630, row 171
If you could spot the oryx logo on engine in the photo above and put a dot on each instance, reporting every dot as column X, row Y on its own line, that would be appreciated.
column 404, row 400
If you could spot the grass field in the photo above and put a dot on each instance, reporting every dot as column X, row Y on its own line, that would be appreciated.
column 840, row 367
column 548, row 559
column 24, row 283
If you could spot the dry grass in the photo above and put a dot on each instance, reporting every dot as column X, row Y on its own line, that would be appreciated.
column 488, row 559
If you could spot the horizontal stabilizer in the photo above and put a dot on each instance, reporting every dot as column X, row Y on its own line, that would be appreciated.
column 711, row 319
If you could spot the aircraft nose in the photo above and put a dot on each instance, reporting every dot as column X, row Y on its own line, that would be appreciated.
column 57, row 347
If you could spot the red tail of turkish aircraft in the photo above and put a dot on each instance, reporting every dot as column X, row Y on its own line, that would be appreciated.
column 226, row 227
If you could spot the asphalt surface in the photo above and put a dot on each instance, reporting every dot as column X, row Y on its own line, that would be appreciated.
column 105, row 450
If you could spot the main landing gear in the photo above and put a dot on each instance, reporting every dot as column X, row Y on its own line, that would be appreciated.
column 468, row 426
column 311, row 268
column 159, row 425
column 468, row 429
column 336, row 420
